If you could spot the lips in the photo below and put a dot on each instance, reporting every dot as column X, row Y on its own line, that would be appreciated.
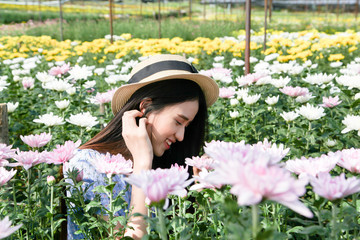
column 168, row 143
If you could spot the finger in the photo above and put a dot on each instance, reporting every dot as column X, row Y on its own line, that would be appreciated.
column 129, row 118
column 142, row 123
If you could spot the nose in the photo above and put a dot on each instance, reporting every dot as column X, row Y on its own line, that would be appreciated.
column 179, row 135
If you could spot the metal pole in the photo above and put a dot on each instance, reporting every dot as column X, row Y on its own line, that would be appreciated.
column 265, row 23
column 111, row 22
column 61, row 22
column 247, row 38
column 159, row 18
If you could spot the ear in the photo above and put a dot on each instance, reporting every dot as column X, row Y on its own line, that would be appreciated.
column 144, row 104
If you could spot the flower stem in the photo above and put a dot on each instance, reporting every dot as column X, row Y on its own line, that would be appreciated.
column 163, row 232
column 29, row 202
column 52, row 210
column 111, row 210
column 308, row 138
column 354, row 199
column 333, row 223
column 255, row 219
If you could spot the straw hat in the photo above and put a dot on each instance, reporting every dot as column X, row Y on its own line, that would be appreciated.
column 163, row 67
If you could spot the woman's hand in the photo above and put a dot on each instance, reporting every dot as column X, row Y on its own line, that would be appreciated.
column 137, row 140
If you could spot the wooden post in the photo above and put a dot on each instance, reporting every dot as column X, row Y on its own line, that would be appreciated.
column 159, row 18
column 61, row 21
column 4, row 125
column 190, row 10
column 337, row 10
column 270, row 10
column 204, row 13
column 356, row 9
column 39, row 10
column 265, row 24
column 247, row 38
column 111, row 21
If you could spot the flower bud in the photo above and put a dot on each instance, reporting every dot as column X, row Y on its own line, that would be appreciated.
column 80, row 176
column 50, row 180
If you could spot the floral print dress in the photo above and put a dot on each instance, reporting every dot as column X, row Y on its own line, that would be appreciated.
column 82, row 161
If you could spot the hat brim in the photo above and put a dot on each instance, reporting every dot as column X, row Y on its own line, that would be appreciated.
column 207, row 85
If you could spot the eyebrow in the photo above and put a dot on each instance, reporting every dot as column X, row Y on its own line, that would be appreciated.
column 184, row 117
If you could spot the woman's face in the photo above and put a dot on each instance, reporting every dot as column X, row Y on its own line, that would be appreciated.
column 167, row 126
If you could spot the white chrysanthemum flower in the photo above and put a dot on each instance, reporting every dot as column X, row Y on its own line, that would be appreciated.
column 352, row 122
column 99, row 71
column 57, row 85
column 217, row 65
column 271, row 57
column 29, row 65
column 12, row 106
column 289, row 116
column 357, row 96
column 236, row 62
column 49, row 119
column 62, row 104
column 336, row 64
column 234, row 114
column 253, row 60
column 351, row 69
column 71, row 91
column 78, row 73
column 222, row 77
column 330, row 142
column 305, row 98
column 234, row 102
column 319, row 78
column 111, row 67
column 44, row 77
column 3, row 84
column 112, row 79
column 281, row 82
column 241, row 93
column 117, row 61
column 89, row 84
column 272, row 100
column 311, row 112
column 350, row 81
column 251, row 99
column 83, row 120
column 219, row 58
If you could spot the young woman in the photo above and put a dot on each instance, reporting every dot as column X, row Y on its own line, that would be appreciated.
column 160, row 118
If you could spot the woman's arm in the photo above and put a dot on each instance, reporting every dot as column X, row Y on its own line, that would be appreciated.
column 138, row 143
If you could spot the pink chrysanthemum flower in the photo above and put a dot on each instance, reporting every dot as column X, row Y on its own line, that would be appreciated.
column 60, row 70
column 112, row 164
column 63, row 153
column 26, row 159
column 312, row 166
column 277, row 153
column 294, row 91
column 6, row 175
column 6, row 229
column 38, row 140
column 226, row 92
column 333, row 188
column 104, row 97
column 249, row 79
column 5, row 153
column 203, row 162
column 157, row 184
column 349, row 159
column 202, row 182
column 330, row 102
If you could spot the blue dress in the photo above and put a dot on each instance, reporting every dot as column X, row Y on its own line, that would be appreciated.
column 82, row 161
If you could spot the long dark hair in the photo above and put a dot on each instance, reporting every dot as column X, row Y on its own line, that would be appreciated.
column 162, row 93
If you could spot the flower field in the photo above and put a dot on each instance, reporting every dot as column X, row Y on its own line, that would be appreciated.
column 282, row 148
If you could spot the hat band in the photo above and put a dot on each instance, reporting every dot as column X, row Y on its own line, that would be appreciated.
column 161, row 66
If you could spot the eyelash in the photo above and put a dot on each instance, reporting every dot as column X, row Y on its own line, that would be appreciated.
column 178, row 123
